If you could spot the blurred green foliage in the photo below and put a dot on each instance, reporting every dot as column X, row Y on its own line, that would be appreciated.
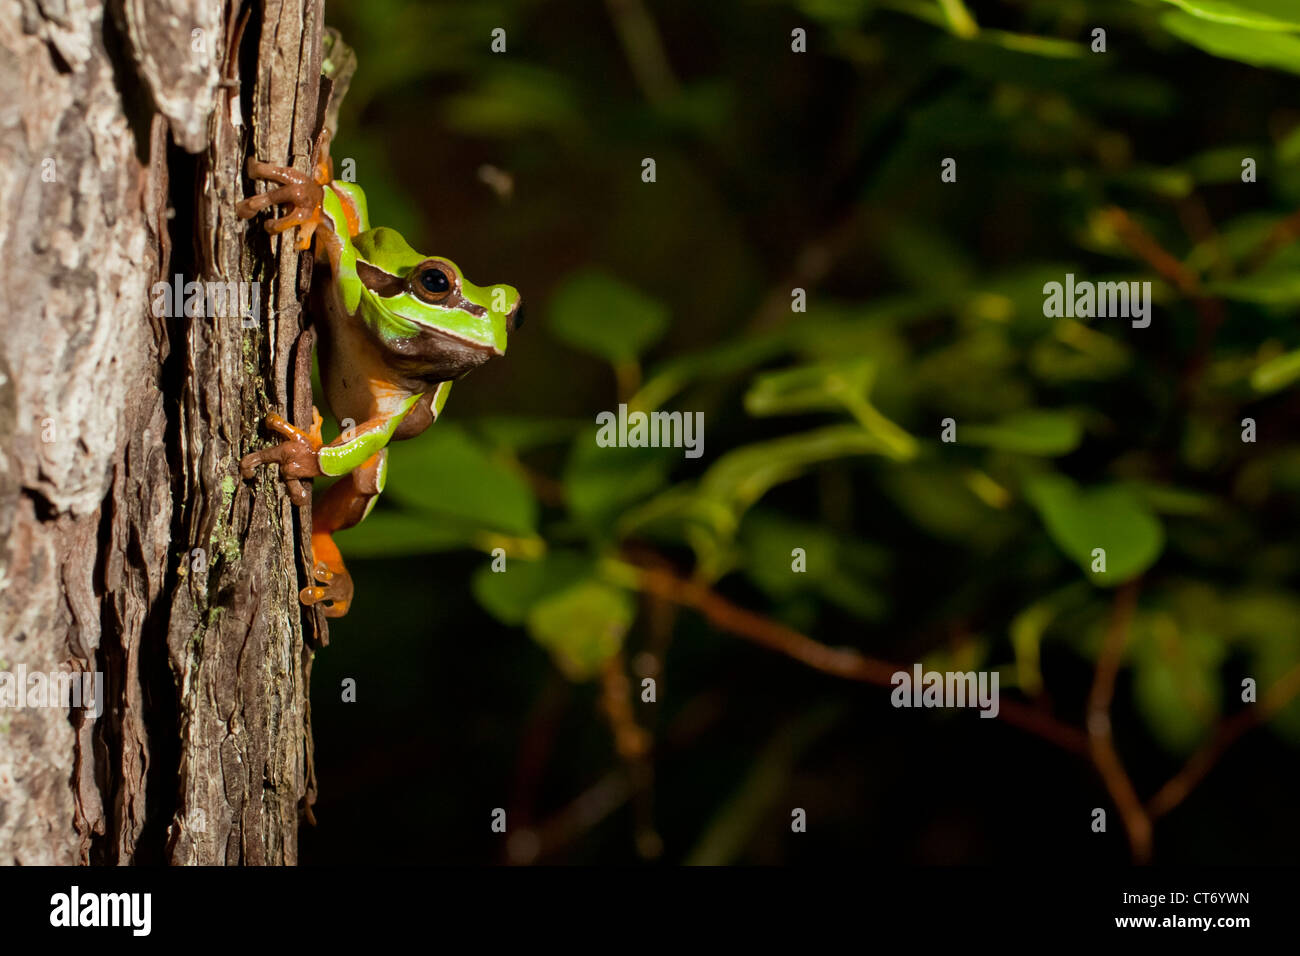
column 821, row 171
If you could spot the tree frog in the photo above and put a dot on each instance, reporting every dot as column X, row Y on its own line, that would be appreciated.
column 395, row 328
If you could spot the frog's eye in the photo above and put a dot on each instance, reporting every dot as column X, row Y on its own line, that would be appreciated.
column 431, row 283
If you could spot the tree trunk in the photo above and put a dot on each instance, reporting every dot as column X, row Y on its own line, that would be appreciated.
column 131, row 546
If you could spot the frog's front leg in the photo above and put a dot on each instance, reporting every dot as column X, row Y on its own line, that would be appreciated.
column 297, row 189
column 298, row 457
column 304, row 192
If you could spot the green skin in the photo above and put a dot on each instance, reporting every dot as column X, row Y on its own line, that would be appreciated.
column 396, row 328
column 386, row 346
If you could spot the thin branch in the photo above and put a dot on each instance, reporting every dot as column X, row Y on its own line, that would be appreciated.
column 1097, row 743
column 839, row 662
column 1201, row 762
column 1279, row 237
column 644, row 50
column 1100, row 744
column 529, row 844
column 1145, row 246
column 630, row 739
column 809, row 268
column 1209, row 310
column 532, row 844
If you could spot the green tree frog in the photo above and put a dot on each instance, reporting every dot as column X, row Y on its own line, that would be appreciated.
column 396, row 327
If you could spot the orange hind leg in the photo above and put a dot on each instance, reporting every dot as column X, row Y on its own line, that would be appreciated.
column 346, row 502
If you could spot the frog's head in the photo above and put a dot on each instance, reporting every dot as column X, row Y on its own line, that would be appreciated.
column 436, row 323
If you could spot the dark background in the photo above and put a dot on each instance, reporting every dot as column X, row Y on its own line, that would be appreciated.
column 821, row 170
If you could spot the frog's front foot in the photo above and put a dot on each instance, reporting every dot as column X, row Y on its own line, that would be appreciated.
column 297, row 457
column 298, row 190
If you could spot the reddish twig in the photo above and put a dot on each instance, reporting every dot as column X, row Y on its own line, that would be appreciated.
column 839, row 662
column 1100, row 744
column 1209, row 310
column 1097, row 743
column 1279, row 237
column 1146, row 247
column 1201, row 762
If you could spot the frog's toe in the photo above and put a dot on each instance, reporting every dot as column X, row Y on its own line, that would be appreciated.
column 338, row 594
column 248, row 464
column 270, row 172
column 299, row 493
column 312, row 595
column 250, row 207
column 332, row 585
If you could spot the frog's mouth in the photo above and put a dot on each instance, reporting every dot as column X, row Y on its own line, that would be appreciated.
column 435, row 355
column 428, row 353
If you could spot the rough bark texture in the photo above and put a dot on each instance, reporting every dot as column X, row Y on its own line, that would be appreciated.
column 131, row 546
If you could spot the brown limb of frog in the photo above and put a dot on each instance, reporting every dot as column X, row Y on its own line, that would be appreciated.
column 297, row 456
column 304, row 192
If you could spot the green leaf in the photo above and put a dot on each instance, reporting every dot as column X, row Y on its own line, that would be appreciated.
column 939, row 500
column 707, row 514
column 1171, row 500
column 1112, row 517
column 1223, row 163
column 389, row 533
column 927, row 258
column 840, row 569
column 601, row 482
column 1268, row 287
column 596, row 313
column 510, row 594
column 1176, row 683
column 582, row 626
column 745, row 474
column 1276, row 373
column 809, row 388
column 1264, row 621
column 1051, row 47
column 1255, row 14
column 447, row 474
column 524, row 432
column 1027, row 629
column 670, row 377
column 1029, row 433
column 1255, row 47
column 514, row 99
column 826, row 386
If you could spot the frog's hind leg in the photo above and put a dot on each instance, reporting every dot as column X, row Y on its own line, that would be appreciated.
column 345, row 504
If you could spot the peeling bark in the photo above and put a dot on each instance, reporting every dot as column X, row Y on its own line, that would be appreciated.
column 131, row 546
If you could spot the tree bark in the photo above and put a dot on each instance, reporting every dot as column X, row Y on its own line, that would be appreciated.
column 131, row 546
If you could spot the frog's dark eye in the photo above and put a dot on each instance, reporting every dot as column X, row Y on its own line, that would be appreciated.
column 519, row 316
column 432, row 283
